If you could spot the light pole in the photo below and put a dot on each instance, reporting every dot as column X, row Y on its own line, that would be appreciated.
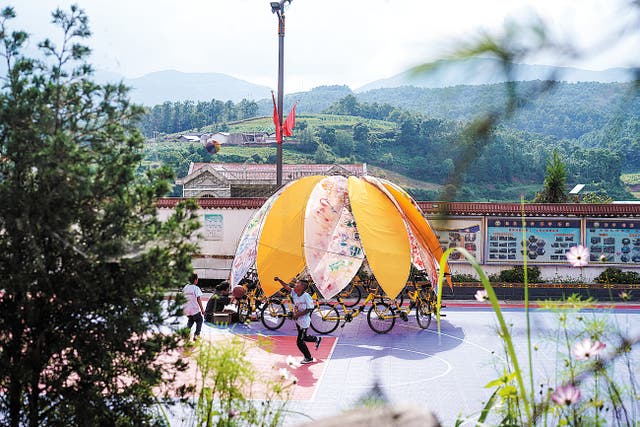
column 277, row 7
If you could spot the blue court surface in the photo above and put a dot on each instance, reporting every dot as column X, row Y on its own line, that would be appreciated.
column 442, row 372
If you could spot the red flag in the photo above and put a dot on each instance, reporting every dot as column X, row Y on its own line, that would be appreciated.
column 276, row 120
column 290, row 121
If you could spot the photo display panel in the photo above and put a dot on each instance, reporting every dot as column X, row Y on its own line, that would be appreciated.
column 613, row 241
column 460, row 233
column 546, row 240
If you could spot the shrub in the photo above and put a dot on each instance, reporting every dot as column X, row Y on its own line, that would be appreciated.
column 516, row 275
column 615, row 275
column 460, row 278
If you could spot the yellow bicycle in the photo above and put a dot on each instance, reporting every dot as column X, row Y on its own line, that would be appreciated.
column 382, row 316
column 326, row 318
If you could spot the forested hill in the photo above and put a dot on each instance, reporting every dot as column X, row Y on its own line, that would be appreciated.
column 420, row 133
column 568, row 110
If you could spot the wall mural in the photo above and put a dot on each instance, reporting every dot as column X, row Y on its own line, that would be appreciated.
column 459, row 233
column 613, row 241
column 546, row 240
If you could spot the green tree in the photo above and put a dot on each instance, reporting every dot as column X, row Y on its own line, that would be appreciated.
column 85, row 261
column 360, row 132
column 323, row 154
column 308, row 141
column 247, row 109
column 554, row 190
column 327, row 135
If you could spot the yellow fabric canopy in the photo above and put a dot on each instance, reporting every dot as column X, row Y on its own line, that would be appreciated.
column 383, row 235
column 419, row 224
column 280, row 247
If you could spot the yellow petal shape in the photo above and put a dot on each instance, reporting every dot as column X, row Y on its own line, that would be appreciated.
column 419, row 224
column 280, row 250
column 383, row 235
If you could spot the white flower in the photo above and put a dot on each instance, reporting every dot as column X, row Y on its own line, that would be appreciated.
column 586, row 349
column 284, row 373
column 291, row 361
column 482, row 295
column 294, row 380
column 578, row 256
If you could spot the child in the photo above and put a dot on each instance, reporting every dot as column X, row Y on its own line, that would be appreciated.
column 218, row 304
column 303, row 306
column 218, row 301
column 193, row 306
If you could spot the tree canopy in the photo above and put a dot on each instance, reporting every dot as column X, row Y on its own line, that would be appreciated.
column 85, row 260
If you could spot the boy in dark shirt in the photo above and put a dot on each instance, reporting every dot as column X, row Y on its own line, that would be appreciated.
column 218, row 301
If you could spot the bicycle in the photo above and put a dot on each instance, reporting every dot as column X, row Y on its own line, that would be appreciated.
column 352, row 294
column 382, row 317
column 326, row 318
column 274, row 312
column 252, row 302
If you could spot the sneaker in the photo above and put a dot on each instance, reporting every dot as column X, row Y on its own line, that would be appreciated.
column 318, row 342
column 307, row 361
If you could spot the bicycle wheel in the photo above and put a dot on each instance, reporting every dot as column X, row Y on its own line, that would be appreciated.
column 273, row 315
column 351, row 295
column 381, row 317
column 423, row 314
column 325, row 319
column 244, row 312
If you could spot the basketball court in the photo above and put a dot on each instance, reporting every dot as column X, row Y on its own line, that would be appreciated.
column 445, row 373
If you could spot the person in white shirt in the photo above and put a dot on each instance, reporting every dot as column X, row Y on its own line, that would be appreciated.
column 193, row 306
column 303, row 306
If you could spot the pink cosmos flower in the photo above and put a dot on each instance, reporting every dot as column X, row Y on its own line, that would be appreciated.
column 586, row 349
column 482, row 295
column 578, row 256
column 566, row 395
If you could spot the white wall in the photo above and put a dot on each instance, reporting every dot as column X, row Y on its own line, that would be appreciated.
column 219, row 239
column 226, row 225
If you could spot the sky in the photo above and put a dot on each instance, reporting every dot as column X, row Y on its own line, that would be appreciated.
column 327, row 42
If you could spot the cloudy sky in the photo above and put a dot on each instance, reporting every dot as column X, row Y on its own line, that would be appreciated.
column 349, row 42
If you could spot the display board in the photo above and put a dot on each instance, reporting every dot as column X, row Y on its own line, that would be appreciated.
column 461, row 233
column 613, row 241
column 546, row 241
column 213, row 227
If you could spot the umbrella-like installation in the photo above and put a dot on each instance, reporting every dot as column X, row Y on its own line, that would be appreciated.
column 329, row 224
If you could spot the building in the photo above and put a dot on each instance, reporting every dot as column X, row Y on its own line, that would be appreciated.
column 189, row 138
column 490, row 232
column 252, row 180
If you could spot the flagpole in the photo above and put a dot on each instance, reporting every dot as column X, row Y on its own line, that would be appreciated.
column 278, row 9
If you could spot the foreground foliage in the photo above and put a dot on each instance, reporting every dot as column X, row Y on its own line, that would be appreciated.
column 230, row 391
column 594, row 382
column 84, row 260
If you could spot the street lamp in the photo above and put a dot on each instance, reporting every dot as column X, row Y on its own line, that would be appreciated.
column 277, row 7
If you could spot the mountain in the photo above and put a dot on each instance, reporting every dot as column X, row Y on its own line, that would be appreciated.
column 479, row 71
column 156, row 88
column 314, row 101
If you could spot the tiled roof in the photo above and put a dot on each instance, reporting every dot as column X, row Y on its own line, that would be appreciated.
column 455, row 208
column 250, row 171
column 215, row 202
column 532, row 209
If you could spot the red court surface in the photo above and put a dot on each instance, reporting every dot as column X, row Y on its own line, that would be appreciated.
column 269, row 355
column 274, row 355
